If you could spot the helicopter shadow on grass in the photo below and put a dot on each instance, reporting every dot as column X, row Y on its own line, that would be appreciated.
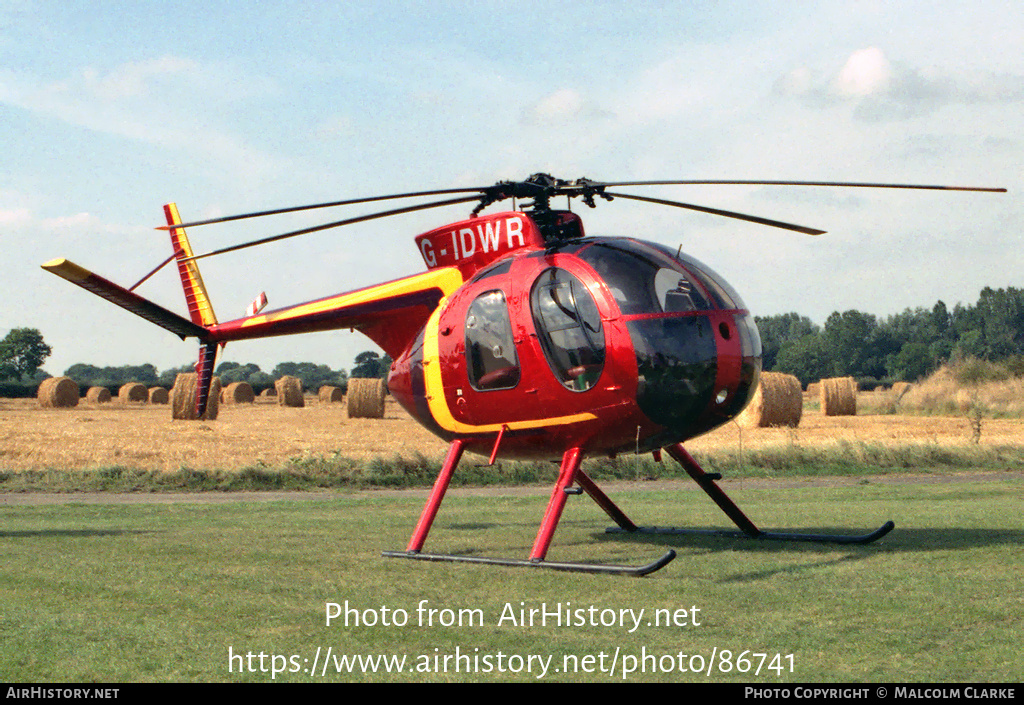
column 900, row 539
column 905, row 540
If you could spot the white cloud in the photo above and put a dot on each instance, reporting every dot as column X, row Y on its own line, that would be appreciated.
column 564, row 104
column 879, row 89
column 866, row 72
column 135, row 79
column 15, row 217
column 77, row 222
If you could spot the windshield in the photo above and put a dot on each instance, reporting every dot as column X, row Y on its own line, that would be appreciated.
column 647, row 278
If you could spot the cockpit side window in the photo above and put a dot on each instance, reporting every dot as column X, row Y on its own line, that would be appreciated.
column 725, row 296
column 490, row 351
column 569, row 328
column 644, row 281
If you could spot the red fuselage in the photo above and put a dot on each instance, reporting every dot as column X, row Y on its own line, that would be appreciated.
column 602, row 344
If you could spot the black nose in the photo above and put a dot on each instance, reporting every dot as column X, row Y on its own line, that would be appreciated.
column 677, row 366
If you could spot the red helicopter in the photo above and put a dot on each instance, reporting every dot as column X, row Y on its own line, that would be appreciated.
column 526, row 339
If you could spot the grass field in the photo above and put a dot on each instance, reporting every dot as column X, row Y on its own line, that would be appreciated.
column 165, row 592
column 150, row 587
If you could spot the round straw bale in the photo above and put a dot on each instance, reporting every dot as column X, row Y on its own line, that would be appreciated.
column 239, row 393
column 331, row 394
column 366, row 398
column 289, row 391
column 269, row 392
column 57, row 392
column 183, row 398
column 778, row 401
column 133, row 391
column 814, row 389
column 158, row 395
column 97, row 395
column 839, row 396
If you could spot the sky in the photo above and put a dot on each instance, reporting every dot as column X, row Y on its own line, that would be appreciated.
column 108, row 110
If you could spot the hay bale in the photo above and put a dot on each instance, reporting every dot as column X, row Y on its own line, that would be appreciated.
column 239, row 393
column 183, row 398
column 133, row 391
column 329, row 395
column 97, row 395
column 289, row 391
column 158, row 395
column 778, row 401
column 839, row 396
column 814, row 389
column 57, row 392
column 268, row 392
column 366, row 398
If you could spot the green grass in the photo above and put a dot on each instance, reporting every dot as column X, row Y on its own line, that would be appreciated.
column 340, row 472
column 161, row 592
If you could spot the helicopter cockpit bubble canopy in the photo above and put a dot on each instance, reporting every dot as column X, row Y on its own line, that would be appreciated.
column 697, row 347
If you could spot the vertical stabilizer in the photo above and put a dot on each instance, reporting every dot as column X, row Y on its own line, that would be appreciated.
column 199, row 306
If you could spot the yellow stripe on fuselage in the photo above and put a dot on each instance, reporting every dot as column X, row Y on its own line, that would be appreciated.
column 438, row 405
column 447, row 280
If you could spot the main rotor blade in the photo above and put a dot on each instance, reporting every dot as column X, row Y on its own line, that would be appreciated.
column 314, row 206
column 327, row 226
column 727, row 214
column 797, row 183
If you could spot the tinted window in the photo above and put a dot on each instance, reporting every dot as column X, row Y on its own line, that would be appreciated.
column 569, row 328
column 725, row 296
column 490, row 351
column 645, row 281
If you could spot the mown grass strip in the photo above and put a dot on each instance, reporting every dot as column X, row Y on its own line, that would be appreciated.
column 845, row 458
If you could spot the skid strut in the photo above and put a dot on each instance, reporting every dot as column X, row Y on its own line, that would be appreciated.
column 706, row 481
column 568, row 473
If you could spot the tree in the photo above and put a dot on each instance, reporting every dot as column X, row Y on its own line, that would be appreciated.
column 230, row 372
column 313, row 376
column 370, row 364
column 776, row 331
column 22, row 352
column 857, row 345
column 913, row 362
column 92, row 376
column 167, row 377
column 806, row 358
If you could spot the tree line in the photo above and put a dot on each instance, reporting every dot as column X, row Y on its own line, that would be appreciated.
column 312, row 375
column 23, row 352
column 904, row 347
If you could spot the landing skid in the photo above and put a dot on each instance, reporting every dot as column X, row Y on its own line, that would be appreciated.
column 747, row 529
column 761, row 535
column 550, row 565
column 569, row 473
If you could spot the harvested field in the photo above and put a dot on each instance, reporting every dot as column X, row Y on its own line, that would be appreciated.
column 94, row 435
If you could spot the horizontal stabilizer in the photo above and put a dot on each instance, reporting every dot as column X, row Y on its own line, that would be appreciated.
column 125, row 299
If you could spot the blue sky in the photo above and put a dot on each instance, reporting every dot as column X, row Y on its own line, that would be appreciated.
column 110, row 110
